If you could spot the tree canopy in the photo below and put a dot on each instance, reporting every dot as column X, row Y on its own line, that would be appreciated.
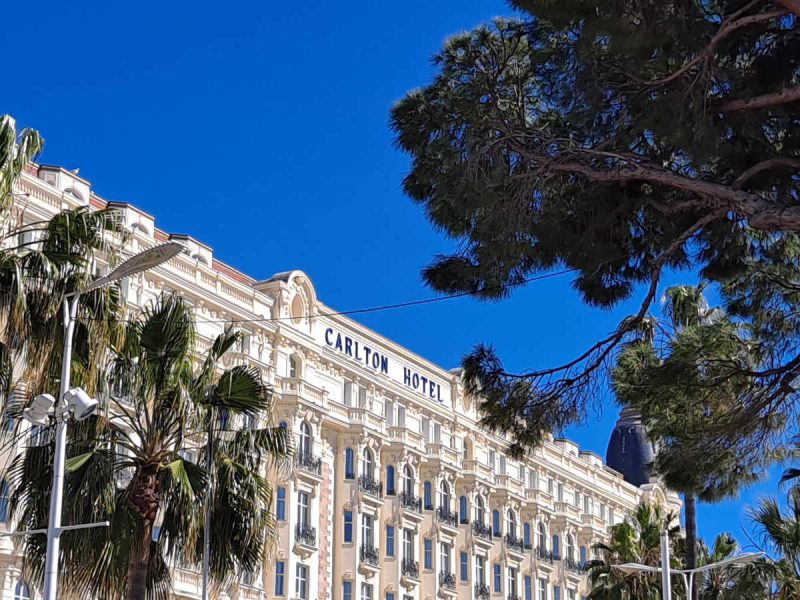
column 616, row 140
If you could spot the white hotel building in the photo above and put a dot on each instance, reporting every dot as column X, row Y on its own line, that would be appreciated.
column 395, row 492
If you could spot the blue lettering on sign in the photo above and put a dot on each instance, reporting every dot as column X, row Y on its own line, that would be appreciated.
column 373, row 359
column 357, row 351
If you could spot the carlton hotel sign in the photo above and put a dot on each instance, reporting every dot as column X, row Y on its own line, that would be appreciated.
column 374, row 359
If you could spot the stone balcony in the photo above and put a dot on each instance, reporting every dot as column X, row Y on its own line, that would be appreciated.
column 370, row 487
column 309, row 463
column 409, row 568
column 447, row 517
column 482, row 591
column 411, row 502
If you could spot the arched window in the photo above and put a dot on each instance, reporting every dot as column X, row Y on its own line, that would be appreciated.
column 408, row 481
column 512, row 524
column 570, row 549
column 542, row 537
column 306, row 446
column 496, row 523
column 368, row 464
column 463, row 512
column 479, row 510
column 427, row 493
column 444, row 496
column 21, row 591
column 4, row 498
column 390, row 480
column 526, row 535
column 349, row 464
column 556, row 547
column 294, row 367
column 583, row 555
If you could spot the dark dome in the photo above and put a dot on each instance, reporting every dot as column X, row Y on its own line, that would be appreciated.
column 629, row 450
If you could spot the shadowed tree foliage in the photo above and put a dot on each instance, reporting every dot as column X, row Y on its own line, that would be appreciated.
column 136, row 467
column 636, row 540
column 780, row 535
column 674, row 380
column 40, row 261
column 615, row 140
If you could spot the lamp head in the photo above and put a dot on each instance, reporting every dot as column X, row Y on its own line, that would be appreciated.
column 80, row 403
column 38, row 413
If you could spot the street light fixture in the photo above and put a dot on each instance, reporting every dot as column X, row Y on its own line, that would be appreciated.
column 687, row 575
column 78, row 401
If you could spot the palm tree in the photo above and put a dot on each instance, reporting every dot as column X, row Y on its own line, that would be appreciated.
column 40, row 262
column 138, row 467
column 735, row 582
column 780, row 534
column 635, row 540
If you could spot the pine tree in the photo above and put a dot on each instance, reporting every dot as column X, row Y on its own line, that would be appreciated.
column 615, row 140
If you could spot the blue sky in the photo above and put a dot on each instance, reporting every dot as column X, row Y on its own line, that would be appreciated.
column 261, row 128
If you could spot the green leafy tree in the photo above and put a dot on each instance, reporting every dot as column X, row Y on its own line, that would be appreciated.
column 636, row 540
column 675, row 382
column 780, row 533
column 135, row 467
column 735, row 582
column 615, row 140
column 41, row 261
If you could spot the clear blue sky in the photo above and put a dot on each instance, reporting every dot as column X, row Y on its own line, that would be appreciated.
column 261, row 128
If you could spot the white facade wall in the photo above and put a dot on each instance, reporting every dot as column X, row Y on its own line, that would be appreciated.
column 357, row 391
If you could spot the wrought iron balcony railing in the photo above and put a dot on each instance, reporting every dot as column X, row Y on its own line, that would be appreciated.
column 445, row 515
column 513, row 542
column 482, row 530
column 409, row 568
column 369, row 555
column 370, row 486
column 544, row 554
column 447, row 580
column 410, row 501
column 310, row 463
column 573, row 565
column 305, row 534
column 482, row 591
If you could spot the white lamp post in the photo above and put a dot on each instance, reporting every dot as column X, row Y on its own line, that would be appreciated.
column 687, row 575
column 77, row 399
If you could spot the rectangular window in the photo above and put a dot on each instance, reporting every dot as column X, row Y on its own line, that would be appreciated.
column 444, row 558
column 560, row 492
column 610, row 516
column 347, row 590
column 389, row 596
column 511, row 590
column 347, row 393
column 577, row 499
column 408, row 544
column 556, row 592
column 389, row 412
column 542, row 589
column 571, row 594
column 302, row 509
column 586, row 507
column 362, row 402
column 498, row 576
column 550, row 485
column 480, row 569
column 428, row 554
column 492, row 459
column 464, row 566
column 280, row 504
column 280, row 568
column 301, row 582
column 401, row 416
column 366, row 591
column 528, row 588
column 603, row 511
column 348, row 526
column 366, row 531
column 390, row 540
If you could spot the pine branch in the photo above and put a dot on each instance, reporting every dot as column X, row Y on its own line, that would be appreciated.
column 785, row 96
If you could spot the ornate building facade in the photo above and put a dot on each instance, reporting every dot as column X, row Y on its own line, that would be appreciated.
column 395, row 492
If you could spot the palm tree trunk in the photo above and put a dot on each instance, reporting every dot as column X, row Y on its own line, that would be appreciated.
column 138, row 565
column 143, row 499
column 690, row 515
